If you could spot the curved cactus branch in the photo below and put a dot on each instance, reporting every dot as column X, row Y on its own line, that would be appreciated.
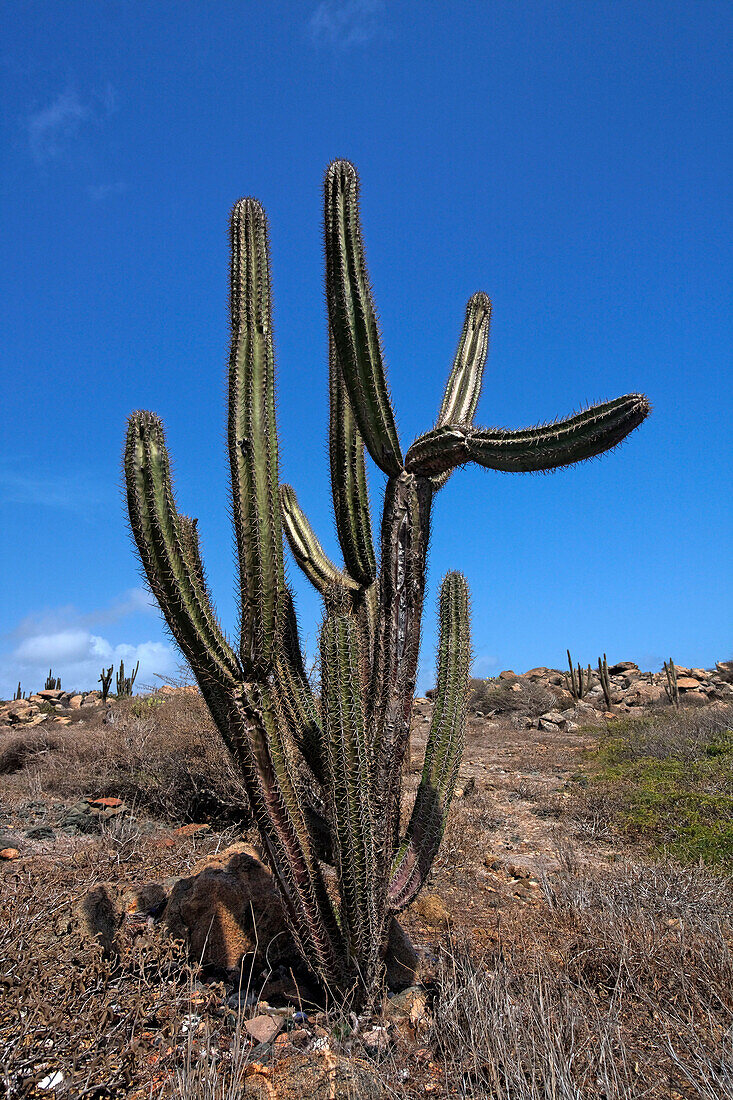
column 169, row 556
column 253, row 439
column 444, row 751
column 307, row 550
column 463, row 389
column 547, row 447
column 348, row 478
column 353, row 320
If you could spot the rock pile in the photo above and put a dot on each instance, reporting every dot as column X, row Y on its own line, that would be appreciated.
column 631, row 691
column 48, row 705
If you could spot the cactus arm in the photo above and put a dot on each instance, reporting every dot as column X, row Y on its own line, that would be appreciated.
column 307, row 550
column 164, row 548
column 353, row 320
column 348, row 478
column 349, row 778
column 252, row 438
column 444, row 751
column 546, row 447
column 463, row 389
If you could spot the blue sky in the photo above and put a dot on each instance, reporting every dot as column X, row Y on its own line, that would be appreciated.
column 572, row 159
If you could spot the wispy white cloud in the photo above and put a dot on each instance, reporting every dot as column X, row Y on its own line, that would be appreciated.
column 342, row 24
column 52, row 129
column 57, row 620
column 98, row 192
column 75, row 492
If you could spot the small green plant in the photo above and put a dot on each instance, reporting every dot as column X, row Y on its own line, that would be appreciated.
column 125, row 683
column 105, row 680
column 668, row 781
column 578, row 682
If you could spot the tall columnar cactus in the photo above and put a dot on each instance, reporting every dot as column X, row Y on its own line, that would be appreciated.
column 323, row 771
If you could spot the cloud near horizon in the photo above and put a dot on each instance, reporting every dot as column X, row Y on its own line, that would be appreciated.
column 64, row 640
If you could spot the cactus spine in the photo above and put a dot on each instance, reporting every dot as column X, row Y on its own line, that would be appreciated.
column 324, row 774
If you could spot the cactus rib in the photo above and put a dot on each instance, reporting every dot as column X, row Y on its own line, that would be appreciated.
column 444, row 749
column 253, row 438
column 348, row 478
column 353, row 320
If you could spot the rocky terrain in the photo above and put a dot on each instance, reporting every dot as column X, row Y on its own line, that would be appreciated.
column 144, row 952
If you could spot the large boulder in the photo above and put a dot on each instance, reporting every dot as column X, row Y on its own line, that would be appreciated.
column 228, row 909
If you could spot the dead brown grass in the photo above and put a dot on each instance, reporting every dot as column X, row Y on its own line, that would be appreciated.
column 160, row 754
column 610, row 980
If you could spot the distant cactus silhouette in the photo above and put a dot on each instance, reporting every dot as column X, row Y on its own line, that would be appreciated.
column 125, row 683
column 671, row 687
column 605, row 681
column 105, row 679
column 51, row 683
column 578, row 682
column 324, row 772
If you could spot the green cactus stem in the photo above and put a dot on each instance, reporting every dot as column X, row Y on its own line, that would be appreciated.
column 322, row 763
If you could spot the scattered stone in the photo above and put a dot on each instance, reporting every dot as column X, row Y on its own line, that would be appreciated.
column 9, row 853
column 263, row 1029
column 191, row 830
column 411, row 1004
column 465, row 787
column 80, row 818
column 508, row 674
column 376, row 1042
column 105, row 803
column 148, row 899
column 76, row 701
column 318, row 1075
column 687, row 683
column 40, row 832
column 622, row 666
